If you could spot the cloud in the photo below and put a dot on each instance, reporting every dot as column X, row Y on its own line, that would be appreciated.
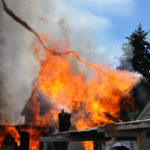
column 108, row 54
column 87, row 20
column 113, row 7
column 92, row 20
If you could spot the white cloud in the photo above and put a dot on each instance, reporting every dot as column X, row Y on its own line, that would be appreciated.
column 115, row 7
column 109, row 54
column 82, row 21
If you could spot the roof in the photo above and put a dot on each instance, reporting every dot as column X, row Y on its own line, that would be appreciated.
column 145, row 113
column 126, row 130
column 141, row 95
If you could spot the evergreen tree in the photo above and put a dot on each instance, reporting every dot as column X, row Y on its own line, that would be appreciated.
column 137, row 53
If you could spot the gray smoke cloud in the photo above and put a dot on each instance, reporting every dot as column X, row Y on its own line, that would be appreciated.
column 125, row 62
column 18, row 65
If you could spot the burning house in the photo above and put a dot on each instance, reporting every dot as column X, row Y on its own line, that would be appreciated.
column 93, row 100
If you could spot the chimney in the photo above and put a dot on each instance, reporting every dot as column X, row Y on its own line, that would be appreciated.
column 64, row 121
column 64, row 125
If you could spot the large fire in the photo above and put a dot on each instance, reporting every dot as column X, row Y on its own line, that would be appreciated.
column 93, row 98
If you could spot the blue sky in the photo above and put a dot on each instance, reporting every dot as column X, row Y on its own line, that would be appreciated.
column 128, row 24
column 112, row 20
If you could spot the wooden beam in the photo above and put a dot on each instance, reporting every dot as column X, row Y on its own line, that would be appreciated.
column 64, row 139
column 132, row 126
column 126, row 139
column 121, row 134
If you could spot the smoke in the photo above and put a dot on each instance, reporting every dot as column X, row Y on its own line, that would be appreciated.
column 125, row 59
column 18, row 66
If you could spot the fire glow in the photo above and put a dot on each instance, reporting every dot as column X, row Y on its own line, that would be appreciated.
column 90, row 98
column 93, row 100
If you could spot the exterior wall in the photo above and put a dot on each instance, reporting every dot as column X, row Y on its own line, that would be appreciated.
column 143, row 141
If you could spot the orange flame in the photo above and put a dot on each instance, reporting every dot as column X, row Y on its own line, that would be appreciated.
column 34, row 135
column 9, row 130
column 93, row 99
